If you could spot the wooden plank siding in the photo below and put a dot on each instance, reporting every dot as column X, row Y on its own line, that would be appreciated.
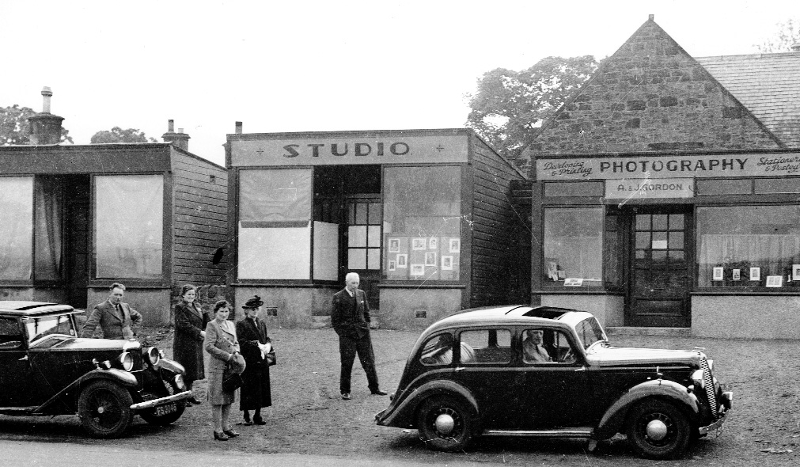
column 495, row 247
column 200, row 220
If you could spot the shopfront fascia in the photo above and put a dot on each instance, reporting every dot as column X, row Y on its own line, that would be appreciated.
column 306, row 208
column 709, row 241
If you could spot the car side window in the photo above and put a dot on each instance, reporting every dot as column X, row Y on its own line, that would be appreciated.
column 438, row 350
column 545, row 346
column 485, row 346
column 10, row 334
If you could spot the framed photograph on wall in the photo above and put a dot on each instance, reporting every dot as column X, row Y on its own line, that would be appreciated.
column 774, row 281
column 433, row 243
column 736, row 274
column 418, row 243
column 455, row 245
column 402, row 261
column 718, row 273
column 417, row 269
column 392, row 265
column 755, row 274
column 430, row 258
column 796, row 272
column 447, row 263
column 394, row 245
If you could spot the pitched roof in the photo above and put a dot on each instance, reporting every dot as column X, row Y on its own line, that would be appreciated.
column 767, row 84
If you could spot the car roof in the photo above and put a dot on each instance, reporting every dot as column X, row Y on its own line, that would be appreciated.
column 516, row 314
column 22, row 308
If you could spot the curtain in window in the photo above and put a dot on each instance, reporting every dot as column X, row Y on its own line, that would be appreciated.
column 48, row 226
column 129, row 226
column 16, row 228
column 774, row 254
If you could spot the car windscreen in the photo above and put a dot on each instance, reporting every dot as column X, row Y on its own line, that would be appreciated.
column 589, row 331
column 42, row 326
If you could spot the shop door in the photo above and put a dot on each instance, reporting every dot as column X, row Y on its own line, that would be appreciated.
column 76, row 270
column 363, row 242
column 660, row 272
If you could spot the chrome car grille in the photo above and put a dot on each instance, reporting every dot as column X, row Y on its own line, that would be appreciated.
column 709, row 383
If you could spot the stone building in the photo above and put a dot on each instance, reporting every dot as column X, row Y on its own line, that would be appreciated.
column 665, row 192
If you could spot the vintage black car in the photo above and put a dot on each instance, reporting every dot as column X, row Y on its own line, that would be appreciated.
column 550, row 372
column 45, row 369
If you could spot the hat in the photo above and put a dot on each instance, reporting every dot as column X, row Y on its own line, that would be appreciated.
column 253, row 303
column 237, row 364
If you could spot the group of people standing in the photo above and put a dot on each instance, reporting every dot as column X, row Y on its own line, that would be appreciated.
column 229, row 346
column 243, row 345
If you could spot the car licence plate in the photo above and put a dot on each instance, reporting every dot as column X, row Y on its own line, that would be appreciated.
column 162, row 410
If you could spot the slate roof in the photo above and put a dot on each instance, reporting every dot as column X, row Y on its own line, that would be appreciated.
column 767, row 84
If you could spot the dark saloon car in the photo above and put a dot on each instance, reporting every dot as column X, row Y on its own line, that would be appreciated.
column 550, row 372
column 45, row 369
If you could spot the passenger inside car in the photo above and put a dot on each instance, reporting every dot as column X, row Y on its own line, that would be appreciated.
column 441, row 351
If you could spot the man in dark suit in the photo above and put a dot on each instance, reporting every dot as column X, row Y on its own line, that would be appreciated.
column 350, row 320
column 114, row 317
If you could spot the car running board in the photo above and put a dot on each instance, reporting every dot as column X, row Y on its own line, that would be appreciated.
column 579, row 432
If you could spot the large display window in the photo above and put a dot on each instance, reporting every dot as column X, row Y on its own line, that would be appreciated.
column 573, row 246
column 274, row 231
column 422, row 223
column 16, row 229
column 749, row 246
column 129, row 226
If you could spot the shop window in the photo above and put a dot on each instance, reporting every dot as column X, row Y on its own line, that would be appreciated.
column 613, row 246
column 749, row 246
column 573, row 246
column 16, row 229
column 422, row 223
column 129, row 228
column 274, row 220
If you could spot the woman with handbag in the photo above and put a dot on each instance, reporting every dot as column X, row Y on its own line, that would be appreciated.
column 256, row 346
column 221, row 344
column 190, row 322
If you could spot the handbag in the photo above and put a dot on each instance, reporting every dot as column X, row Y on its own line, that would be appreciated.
column 231, row 382
column 270, row 357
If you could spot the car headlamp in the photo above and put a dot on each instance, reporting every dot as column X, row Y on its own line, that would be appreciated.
column 179, row 382
column 126, row 360
column 698, row 380
column 104, row 365
column 152, row 355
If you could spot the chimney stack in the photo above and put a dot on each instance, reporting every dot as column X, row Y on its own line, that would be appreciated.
column 45, row 128
column 238, row 128
column 179, row 139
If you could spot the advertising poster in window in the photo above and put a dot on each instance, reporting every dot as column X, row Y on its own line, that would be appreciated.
column 774, row 281
column 417, row 269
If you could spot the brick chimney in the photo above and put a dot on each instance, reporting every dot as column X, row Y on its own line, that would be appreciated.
column 45, row 127
column 179, row 139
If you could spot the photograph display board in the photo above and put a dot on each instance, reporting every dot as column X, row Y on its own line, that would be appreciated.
column 422, row 258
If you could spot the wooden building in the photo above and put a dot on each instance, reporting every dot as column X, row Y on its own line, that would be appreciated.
column 424, row 216
column 80, row 217
column 666, row 192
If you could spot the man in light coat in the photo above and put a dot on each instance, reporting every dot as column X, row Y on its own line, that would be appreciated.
column 114, row 317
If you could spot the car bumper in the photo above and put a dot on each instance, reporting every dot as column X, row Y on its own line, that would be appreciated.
column 725, row 403
column 161, row 401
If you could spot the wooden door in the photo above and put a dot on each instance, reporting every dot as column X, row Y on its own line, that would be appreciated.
column 658, row 294
column 363, row 243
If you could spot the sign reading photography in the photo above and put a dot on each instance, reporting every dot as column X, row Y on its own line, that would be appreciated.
column 660, row 167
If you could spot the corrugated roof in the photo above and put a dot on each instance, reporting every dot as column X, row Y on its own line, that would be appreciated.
column 767, row 84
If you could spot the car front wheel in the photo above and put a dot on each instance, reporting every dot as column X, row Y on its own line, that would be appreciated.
column 444, row 424
column 658, row 430
column 105, row 409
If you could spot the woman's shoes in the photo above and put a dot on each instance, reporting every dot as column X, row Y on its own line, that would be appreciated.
column 221, row 436
column 258, row 420
column 230, row 433
column 247, row 421
column 193, row 400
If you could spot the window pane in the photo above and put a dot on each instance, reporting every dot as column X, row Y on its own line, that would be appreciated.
column 759, row 241
column 361, row 213
column 274, row 253
column 16, row 229
column 659, row 221
column 356, row 258
column 643, row 240
column 676, row 241
column 375, row 210
column 48, row 201
column 270, row 196
column 373, row 258
column 487, row 345
column 421, row 204
column 356, row 235
column 374, row 236
column 129, row 226
column 573, row 244
column 676, row 222
column 643, row 222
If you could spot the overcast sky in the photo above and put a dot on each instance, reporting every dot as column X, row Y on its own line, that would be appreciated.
column 295, row 65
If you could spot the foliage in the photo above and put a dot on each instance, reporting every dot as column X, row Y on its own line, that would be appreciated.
column 118, row 135
column 787, row 35
column 509, row 105
column 14, row 126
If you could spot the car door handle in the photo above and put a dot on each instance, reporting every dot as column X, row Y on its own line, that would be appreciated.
column 459, row 368
column 23, row 359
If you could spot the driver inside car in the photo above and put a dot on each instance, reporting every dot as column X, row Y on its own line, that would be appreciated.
column 533, row 347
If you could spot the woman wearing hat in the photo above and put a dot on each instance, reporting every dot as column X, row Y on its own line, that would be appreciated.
column 190, row 322
column 221, row 344
column 256, row 392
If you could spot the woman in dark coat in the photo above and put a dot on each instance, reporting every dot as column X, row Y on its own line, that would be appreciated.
column 190, row 322
column 256, row 392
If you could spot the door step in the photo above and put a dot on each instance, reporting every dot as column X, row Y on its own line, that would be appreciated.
column 648, row 331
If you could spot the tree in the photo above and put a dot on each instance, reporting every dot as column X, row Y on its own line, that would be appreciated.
column 509, row 105
column 118, row 135
column 14, row 127
column 787, row 35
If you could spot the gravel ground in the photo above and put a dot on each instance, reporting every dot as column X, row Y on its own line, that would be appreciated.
column 309, row 417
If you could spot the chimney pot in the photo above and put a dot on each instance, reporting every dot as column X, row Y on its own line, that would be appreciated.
column 238, row 128
column 45, row 128
column 651, row 17
column 170, row 125
column 46, row 95
column 179, row 139
column 180, row 130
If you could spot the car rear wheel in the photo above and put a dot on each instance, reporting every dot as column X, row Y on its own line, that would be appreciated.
column 444, row 424
column 105, row 409
column 658, row 430
column 164, row 415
